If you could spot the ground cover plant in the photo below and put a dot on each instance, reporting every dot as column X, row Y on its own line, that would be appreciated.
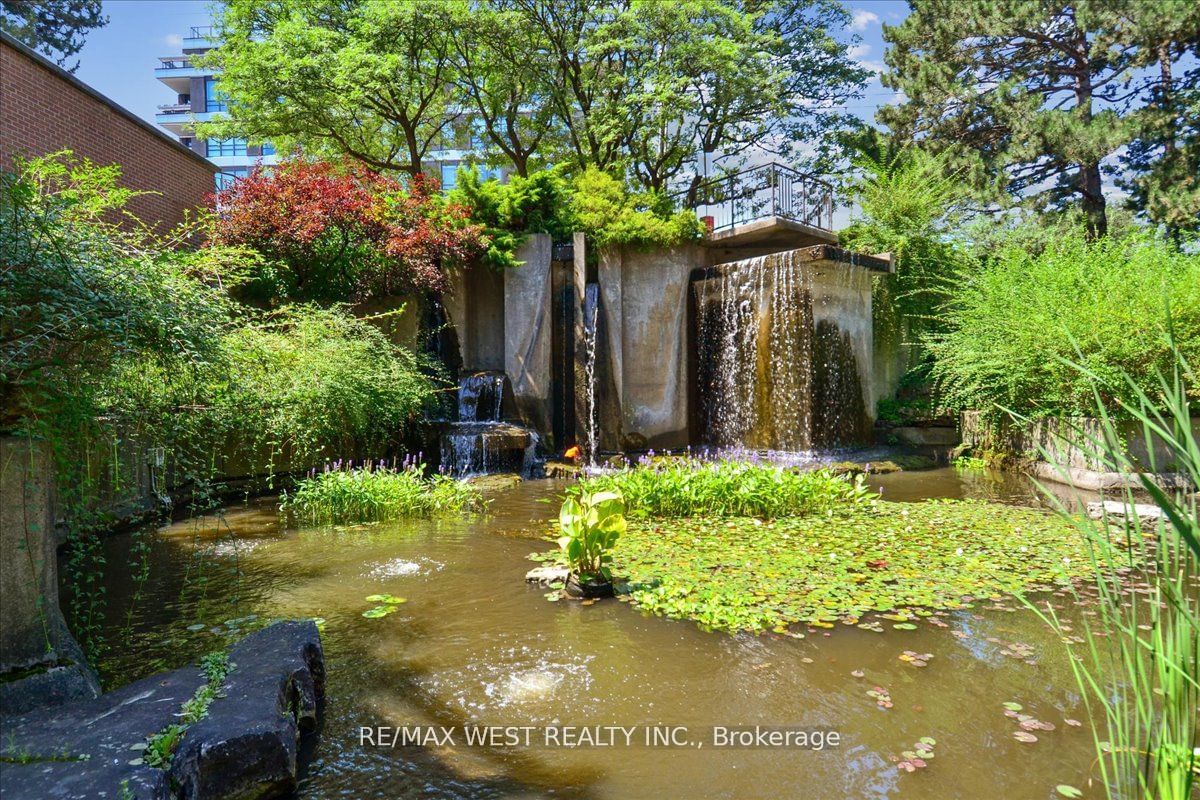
column 374, row 493
column 686, row 487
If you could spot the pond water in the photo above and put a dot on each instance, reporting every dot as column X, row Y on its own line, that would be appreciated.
column 475, row 646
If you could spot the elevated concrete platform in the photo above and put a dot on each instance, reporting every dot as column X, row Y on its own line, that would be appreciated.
column 759, row 237
column 819, row 255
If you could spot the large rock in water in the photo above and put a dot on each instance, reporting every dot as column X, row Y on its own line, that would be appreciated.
column 245, row 747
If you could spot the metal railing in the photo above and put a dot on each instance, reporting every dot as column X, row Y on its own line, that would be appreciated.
column 768, row 190
column 174, row 108
column 201, row 32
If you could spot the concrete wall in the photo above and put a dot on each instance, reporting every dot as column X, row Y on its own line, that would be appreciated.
column 644, row 302
column 475, row 304
column 44, row 109
column 1066, row 441
column 841, row 295
column 528, row 329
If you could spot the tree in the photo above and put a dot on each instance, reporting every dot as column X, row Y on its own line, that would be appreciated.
column 1162, row 163
column 373, row 80
column 502, row 69
column 1025, row 96
column 56, row 28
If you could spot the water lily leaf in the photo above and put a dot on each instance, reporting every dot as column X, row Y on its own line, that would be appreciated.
column 1024, row 736
column 1068, row 791
column 904, row 626
column 377, row 612
column 1011, row 706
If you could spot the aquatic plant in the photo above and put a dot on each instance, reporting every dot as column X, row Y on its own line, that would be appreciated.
column 885, row 563
column 158, row 748
column 1138, row 664
column 689, row 487
column 591, row 526
column 375, row 493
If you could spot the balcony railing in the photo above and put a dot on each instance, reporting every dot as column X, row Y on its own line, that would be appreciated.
column 768, row 190
column 174, row 108
column 201, row 32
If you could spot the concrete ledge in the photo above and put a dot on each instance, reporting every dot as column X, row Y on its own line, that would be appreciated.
column 1101, row 481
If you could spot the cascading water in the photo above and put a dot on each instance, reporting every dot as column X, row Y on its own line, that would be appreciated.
column 481, row 442
column 762, row 372
column 591, row 317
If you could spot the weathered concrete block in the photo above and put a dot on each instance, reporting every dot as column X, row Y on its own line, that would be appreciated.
column 527, row 331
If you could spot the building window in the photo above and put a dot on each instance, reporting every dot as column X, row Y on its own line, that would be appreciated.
column 213, row 99
column 226, row 177
column 449, row 176
column 225, row 147
column 268, row 149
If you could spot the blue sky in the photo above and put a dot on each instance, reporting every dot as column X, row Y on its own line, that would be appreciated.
column 118, row 59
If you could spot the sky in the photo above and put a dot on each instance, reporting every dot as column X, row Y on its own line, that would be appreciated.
column 118, row 60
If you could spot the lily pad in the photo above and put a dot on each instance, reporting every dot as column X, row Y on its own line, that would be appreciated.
column 1065, row 790
column 378, row 611
column 1011, row 706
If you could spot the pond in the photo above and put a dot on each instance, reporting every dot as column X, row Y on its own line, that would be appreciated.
column 473, row 645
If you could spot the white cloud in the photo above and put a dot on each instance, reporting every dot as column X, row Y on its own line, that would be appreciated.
column 173, row 39
column 863, row 19
column 858, row 51
column 876, row 67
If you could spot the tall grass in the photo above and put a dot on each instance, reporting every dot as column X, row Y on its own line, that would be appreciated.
column 1138, row 665
column 692, row 488
column 1018, row 323
column 376, row 494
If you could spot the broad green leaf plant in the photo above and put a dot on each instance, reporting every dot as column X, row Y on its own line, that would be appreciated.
column 591, row 526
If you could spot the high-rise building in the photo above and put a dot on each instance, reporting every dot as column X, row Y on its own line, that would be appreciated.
column 197, row 100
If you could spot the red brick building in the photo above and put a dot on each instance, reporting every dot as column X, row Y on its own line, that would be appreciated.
column 44, row 108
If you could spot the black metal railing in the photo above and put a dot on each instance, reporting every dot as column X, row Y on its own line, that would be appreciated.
column 768, row 190
column 201, row 32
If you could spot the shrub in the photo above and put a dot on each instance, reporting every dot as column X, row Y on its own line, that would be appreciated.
column 336, row 234
column 610, row 214
column 375, row 494
column 538, row 203
column 693, row 488
column 591, row 526
column 1016, row 323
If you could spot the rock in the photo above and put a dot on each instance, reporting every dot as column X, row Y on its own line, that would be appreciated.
column 546, row 575
column 926, row 436
column 51, row 684
column 245, row 747
column 1117, row 510
column 561, row 469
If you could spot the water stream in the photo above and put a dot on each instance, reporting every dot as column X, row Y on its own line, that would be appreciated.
column 475, row 645
column 591, row 316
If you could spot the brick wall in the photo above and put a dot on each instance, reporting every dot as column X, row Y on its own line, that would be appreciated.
column 44, row 109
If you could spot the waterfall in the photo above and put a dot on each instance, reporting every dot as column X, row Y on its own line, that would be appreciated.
column 769, row 378
column 481, row 442
column 591, row 316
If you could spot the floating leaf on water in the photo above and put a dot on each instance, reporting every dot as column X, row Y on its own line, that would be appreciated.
column 137, row 762
column 1068, row 791
column 377, row 612
column 199, row 626
column 1011, row 706
column 1074, row 723
column 858, row 673
column 904, row 626
column 1024, row 736
column 928, row 741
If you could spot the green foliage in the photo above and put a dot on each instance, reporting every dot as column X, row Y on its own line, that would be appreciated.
column 1027, row 98
column 610, row 214
column 377, row 493
column 538, row 203
column 55, row 28
column 161, row 746
column 676, row 487
column 1015, row 323
column 591, row 524
column 1137, row 663
column 910, row 208
column 899, row 560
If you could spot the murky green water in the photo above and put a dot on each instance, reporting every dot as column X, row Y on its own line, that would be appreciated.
column 474, row 646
